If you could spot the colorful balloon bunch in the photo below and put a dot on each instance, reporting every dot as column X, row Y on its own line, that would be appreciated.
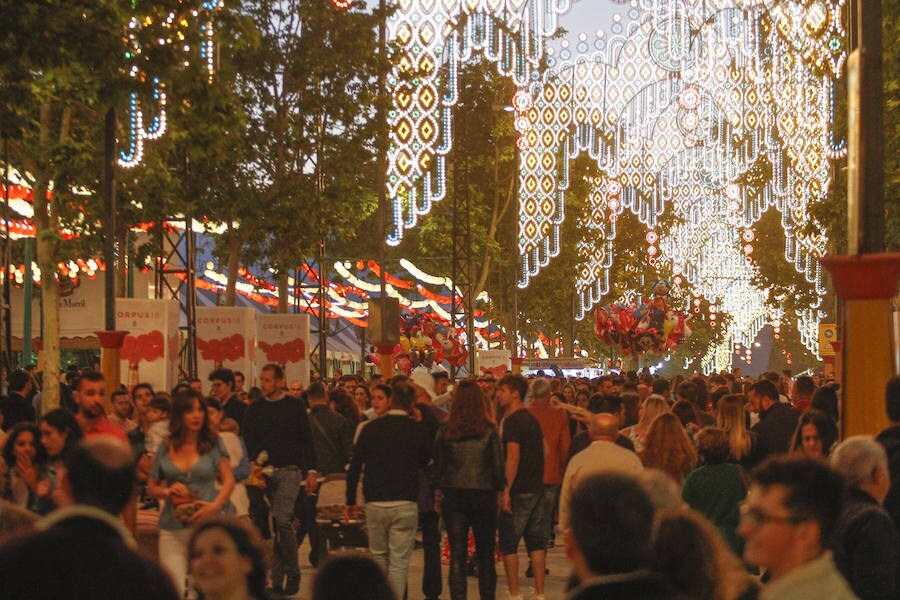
column 425, row 341
column 649, row 326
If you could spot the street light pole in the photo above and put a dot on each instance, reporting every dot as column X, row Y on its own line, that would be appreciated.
column 870, row 161
column 110, row 339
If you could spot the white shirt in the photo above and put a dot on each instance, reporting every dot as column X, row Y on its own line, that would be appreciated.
column 600, row 457
column 818, row 578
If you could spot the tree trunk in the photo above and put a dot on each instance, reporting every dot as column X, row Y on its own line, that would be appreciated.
column 500, row 207
column 234, row 255
column 46, row 250
column 283, row 298
column 45, row 221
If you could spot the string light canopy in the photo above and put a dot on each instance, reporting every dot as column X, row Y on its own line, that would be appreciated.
column 715, row 110
column 146, row 117
column 427, row 41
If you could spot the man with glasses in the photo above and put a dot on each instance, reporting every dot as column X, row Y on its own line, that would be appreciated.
column 787, row 521
column 221, row 387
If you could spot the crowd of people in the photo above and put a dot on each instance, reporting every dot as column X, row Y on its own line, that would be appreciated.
column 713, row 487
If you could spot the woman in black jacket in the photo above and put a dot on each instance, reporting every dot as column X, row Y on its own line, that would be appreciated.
column 468, row 470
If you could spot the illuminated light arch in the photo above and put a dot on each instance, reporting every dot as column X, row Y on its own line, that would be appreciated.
column 429, row 40
column 624, row 110
column 760, row 74
column 776, row 110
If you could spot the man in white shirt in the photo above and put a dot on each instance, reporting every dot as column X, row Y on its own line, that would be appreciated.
column 602, row 456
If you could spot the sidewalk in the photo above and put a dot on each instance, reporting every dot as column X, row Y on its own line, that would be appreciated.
column 554, row 589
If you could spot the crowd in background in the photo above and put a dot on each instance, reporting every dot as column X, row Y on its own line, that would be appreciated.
column 715, row 487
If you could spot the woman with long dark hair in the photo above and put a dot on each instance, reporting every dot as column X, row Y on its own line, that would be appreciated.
column 815, row 435
column 24, row 457
column 469, row 473
column 184, row 475
column 60, row 434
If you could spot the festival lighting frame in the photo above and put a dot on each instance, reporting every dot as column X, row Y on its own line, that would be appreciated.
column 716, row 110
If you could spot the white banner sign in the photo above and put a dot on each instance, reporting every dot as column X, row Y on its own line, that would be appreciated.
column 226, row 337
column 492, row 362
column 284, row 339
column 150, row 351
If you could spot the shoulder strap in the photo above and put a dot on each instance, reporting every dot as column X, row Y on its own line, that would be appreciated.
column 743, row 476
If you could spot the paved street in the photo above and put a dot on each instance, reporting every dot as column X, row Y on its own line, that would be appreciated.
column 556, row 581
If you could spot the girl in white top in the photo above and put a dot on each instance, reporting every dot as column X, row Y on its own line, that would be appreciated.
column 237, row 454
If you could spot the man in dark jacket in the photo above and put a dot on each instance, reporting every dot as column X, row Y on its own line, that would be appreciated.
column 278, row 424
column 890, row 439
column 222, row 389
column 332, row 436
column 392, row 449
column 866, row 545
column 83, row 551
column 777, row 421
column 16, row 408
column 610, row 539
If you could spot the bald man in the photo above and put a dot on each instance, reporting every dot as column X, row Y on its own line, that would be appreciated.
column 602, row 456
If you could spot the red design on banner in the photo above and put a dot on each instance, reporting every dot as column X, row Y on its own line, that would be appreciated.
column 147, row 346
column 498, row 371
column 284, row 352
column 218, row 351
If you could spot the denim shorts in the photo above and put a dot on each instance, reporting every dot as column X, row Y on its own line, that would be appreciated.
column 527, row 520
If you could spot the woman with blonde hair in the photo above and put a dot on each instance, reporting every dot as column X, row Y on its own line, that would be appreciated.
column 731, row 417
column 652, row 407
column 667, row 447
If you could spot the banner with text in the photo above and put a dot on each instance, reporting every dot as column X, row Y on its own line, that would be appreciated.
column 226, row 337
column 150, row 351
column 284, row 339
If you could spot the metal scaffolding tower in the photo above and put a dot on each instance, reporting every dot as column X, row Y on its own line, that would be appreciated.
column 175, row 279
column 462, row 270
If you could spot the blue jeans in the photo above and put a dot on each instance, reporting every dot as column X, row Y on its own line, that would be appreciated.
column 281, row 490
column 392, row 535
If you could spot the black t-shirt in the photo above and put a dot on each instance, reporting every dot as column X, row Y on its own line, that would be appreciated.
column 521, row 427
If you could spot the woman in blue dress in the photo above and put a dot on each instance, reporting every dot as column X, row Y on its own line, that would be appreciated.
column 184, row 476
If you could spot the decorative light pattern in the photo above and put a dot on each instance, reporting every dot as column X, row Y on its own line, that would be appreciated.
column 714, row 109
column 147, row 120
column 717, row 117
column 171, row 31
column 428, row 40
